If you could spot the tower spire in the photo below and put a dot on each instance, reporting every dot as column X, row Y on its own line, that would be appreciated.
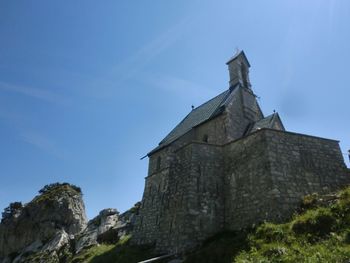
column 238, row 67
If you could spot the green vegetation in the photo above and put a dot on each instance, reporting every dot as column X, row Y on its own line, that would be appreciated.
column 122, row 252
column 319, row 233
column 53, row 186
column 11, row 210
column 135, row 208
column 52, row 191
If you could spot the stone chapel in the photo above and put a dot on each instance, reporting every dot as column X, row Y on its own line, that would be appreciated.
column 226, row 166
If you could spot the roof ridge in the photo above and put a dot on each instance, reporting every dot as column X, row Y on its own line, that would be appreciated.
column 211, row 99
column 196, row 116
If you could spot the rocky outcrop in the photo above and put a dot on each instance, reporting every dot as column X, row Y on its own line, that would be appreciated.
column 44, row 227
column 105, row 221
column 53, row 228
column 108, row 227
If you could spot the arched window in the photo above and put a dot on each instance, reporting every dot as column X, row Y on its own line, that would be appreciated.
column 159, row 159
column 205, row 138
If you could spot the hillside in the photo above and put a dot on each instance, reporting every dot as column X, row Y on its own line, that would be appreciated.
column 52, row 228
column 320, row 232
column 51, row 231
column 43, row 226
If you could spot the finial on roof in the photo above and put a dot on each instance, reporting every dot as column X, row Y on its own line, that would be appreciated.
column 192, row 107
column 274, row 111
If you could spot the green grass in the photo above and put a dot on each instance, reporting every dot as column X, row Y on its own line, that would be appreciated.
column 122, row 252
column 318, row 234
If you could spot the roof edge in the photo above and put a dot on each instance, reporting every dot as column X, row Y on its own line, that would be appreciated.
column 236, row 56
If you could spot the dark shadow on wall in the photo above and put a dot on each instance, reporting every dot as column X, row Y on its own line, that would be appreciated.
column 221, row 248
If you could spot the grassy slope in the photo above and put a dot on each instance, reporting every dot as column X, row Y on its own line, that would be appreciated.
column 318, row 234
column 121, row 252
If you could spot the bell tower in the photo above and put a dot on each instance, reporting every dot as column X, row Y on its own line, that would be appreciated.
column 238, row 67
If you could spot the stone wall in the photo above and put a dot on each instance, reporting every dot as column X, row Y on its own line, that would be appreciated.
column 241, row 109
column 204, row 200
column 199, row 189
column 214, row 130
column 248, row 181
column 268, row 172
column 183, row 204
column 300, row 165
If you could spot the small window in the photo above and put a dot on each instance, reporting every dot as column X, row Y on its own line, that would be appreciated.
column 159, row 159
column 205, row 138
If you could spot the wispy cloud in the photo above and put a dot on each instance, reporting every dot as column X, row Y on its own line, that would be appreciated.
column 152, row 49
column 41, row 94
column 131, row 66
column 43, row 143
column 181, row 87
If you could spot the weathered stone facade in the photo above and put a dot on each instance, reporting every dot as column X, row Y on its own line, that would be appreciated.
column 268, row 172
column 226, row 167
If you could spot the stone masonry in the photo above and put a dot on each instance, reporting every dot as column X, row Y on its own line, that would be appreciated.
column 227, row 167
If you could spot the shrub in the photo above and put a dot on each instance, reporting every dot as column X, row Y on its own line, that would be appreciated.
column 11, row 210
column 272, row 232
column 274, row 250
column 50, row 187
column 135, row 209
column 347, row 236
column 309, row 201
column 318, row 222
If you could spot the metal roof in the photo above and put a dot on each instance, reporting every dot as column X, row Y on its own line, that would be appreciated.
column 266, row 122
column 198, row 115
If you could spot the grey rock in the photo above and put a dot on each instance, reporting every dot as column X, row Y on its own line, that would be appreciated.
column 60, row 239
column 106, row 220
column 53, row 215
column 108, row 227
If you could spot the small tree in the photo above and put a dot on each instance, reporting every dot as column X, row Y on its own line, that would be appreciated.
column 13, row 209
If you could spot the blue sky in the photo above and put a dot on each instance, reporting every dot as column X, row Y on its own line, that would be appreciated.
column 89, row 87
